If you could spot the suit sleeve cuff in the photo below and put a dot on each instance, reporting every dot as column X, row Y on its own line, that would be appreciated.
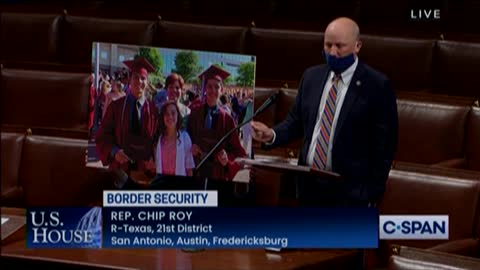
column 273, row 139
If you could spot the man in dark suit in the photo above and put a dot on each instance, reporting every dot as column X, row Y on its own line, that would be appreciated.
column 346, row 113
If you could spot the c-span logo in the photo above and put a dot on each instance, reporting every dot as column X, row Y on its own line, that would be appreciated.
column 432, row 227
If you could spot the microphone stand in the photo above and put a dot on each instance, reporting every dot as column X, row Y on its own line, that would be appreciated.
column 263, row 107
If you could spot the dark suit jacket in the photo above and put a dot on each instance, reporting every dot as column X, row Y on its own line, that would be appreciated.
column 365, row 138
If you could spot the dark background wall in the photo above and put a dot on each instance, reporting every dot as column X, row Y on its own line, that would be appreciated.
column 374, row 16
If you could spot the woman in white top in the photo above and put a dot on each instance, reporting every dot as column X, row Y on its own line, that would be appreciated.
column 173, row 150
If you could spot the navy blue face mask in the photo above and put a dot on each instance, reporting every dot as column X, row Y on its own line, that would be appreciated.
column 339, row 64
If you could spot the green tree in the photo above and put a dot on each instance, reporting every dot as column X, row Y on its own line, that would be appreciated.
column 155, row 79
column 186, row 64
column 154, row 57
column 246, row 74
column 229, row 80
column 195, row 81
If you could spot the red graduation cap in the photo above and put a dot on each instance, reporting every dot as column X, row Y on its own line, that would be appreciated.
column 214, row 72
column 140, row 65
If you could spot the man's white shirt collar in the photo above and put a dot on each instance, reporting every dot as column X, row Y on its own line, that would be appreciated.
column 347, row 74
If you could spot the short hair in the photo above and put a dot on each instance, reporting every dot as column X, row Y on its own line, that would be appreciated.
column 224, row 99
column 356, row 32
column 172, row 78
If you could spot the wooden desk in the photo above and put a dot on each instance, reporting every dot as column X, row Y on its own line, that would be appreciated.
column 177, row 259
column 14, row 227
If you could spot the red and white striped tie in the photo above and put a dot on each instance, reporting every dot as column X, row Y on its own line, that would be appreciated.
column 323, row 139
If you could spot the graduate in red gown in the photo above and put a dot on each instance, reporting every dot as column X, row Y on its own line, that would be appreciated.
column 208, row 123
column 124, row 141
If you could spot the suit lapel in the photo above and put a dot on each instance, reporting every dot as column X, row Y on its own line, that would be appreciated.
column 349, row 101
column 317, row 96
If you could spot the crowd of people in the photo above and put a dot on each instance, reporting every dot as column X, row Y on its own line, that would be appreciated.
column 236, row 101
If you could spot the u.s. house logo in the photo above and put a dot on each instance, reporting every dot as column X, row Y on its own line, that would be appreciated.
column 57, row 228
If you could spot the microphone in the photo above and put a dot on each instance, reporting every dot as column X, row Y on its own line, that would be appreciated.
column 270, row 100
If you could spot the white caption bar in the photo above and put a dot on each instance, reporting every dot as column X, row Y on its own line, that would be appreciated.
column 172, row 198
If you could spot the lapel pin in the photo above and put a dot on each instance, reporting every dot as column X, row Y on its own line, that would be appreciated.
column 359, row 83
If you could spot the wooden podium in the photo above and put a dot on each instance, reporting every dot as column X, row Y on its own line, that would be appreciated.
column 274, row 179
